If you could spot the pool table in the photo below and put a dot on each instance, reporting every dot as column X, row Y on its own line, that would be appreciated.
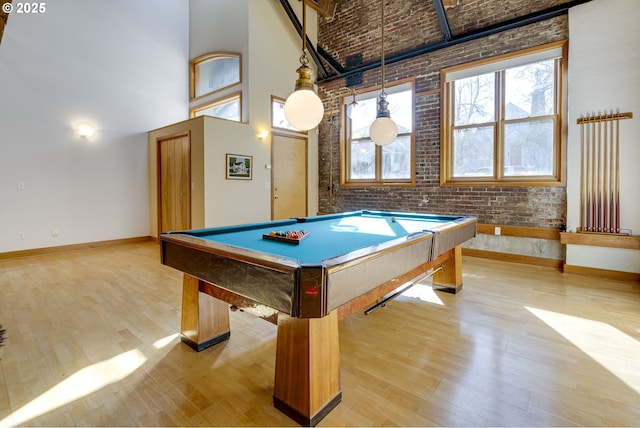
column 344, row 263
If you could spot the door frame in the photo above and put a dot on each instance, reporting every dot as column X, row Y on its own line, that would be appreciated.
column 306, row 172
column 159, row 173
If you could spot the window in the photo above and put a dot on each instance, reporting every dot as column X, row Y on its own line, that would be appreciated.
column 278, row 119
column 365, row 163
column 214, row 72
column 227, row 108
column 502, row 120
column 215, row 86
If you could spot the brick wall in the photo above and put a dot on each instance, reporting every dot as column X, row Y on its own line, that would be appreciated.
column 355, row 29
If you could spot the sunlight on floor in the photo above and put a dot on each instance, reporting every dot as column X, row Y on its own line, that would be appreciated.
column 78, row 385
column 613, row 349
column 424, row 293
column 161, row 343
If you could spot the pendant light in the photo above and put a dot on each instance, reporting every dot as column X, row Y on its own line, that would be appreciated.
column 383, row 130
column 304, row 109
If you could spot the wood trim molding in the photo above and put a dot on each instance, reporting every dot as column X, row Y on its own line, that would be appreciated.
column 603, row 273
column 71, row 247
column 514, row 258
column 521, row 232
column 601, row 240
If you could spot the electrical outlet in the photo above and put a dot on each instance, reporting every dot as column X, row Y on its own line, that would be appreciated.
column 21, row 185
column 497, row 230
column 20, row 236
column 54, row 233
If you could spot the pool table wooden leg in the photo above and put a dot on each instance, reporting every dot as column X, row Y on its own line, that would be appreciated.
column 449, row 279
column 307, row 374
column 205, row 319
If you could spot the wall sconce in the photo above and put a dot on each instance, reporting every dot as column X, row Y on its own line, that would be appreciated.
column 85, row 130
column 262, row 134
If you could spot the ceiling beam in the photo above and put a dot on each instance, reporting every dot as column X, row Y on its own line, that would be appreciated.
column 531, row 18
column 442, row 19
column 322, row 70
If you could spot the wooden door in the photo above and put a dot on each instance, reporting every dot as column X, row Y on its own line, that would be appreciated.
column 288, row 177
column 174, row 180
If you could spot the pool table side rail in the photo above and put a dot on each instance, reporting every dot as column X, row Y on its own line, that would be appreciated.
column 244, row 278
column 351, row 278
column 453, row 233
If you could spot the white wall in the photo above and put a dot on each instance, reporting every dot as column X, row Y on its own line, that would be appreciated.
column 604, row 74
column 261, row 31
column 120, row 65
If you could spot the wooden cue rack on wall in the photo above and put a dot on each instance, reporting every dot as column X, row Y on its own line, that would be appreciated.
column 600, row 172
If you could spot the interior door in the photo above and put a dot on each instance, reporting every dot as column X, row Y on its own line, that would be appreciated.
column 174, row 199
column 288, row 176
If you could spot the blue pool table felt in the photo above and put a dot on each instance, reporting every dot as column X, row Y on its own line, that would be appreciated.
column 329, row 236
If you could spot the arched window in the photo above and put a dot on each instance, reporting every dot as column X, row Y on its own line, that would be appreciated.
column 214, row 72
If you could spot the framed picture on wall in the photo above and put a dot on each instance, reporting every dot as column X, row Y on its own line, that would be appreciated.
column 239, row 167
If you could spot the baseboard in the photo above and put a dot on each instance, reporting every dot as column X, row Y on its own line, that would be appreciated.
column 603, row 273
column 514, row 258
column 71, row 247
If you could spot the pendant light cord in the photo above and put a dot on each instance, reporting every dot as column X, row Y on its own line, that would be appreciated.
column 382, row 44
column 303, row 58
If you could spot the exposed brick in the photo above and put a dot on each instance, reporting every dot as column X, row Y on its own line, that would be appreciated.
column 355, row 29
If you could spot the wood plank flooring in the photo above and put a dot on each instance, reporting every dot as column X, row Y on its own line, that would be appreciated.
column 92, row 341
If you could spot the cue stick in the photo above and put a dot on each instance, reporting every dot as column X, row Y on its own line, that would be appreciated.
column 383, row 302
column 583, row 187
column 593, row 177
column 617, row 176
column 590, row 178
column 605, row 182
column 612, row 184
column 598, row 178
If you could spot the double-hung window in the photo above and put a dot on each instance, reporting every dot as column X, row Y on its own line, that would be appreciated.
column 363, row 162
column 502, row 120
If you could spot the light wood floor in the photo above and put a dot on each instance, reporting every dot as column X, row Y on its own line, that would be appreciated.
column 91, row 341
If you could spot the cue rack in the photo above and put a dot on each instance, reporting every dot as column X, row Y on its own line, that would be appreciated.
column 600, row 172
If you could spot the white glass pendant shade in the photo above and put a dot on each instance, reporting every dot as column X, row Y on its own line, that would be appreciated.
column 304, row 109
column 383, row 131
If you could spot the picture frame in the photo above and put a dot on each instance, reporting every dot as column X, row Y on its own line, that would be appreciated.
column 239, row 167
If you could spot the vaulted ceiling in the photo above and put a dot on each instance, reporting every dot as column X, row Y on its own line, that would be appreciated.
column 445, row 23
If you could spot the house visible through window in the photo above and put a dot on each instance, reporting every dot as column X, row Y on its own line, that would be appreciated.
column 365, row 163
column 502, row 120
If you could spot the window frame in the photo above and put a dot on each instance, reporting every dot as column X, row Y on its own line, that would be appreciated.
column 235, row 96
column 345, row 142
column 194, row 70
column 498, row 65
column 281, row 101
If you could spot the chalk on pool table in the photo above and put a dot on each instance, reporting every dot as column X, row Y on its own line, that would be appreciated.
column 393, row 219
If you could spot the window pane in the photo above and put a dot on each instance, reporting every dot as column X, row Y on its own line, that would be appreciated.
column 528, row 148
column 225, row 110
column 529, row 90
column 364, row 117
column 278, row 118
column 473, row 152
column 400, row 108
column 363, row 160
column 216, row 73
column 474, row 100
column 396, row 158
